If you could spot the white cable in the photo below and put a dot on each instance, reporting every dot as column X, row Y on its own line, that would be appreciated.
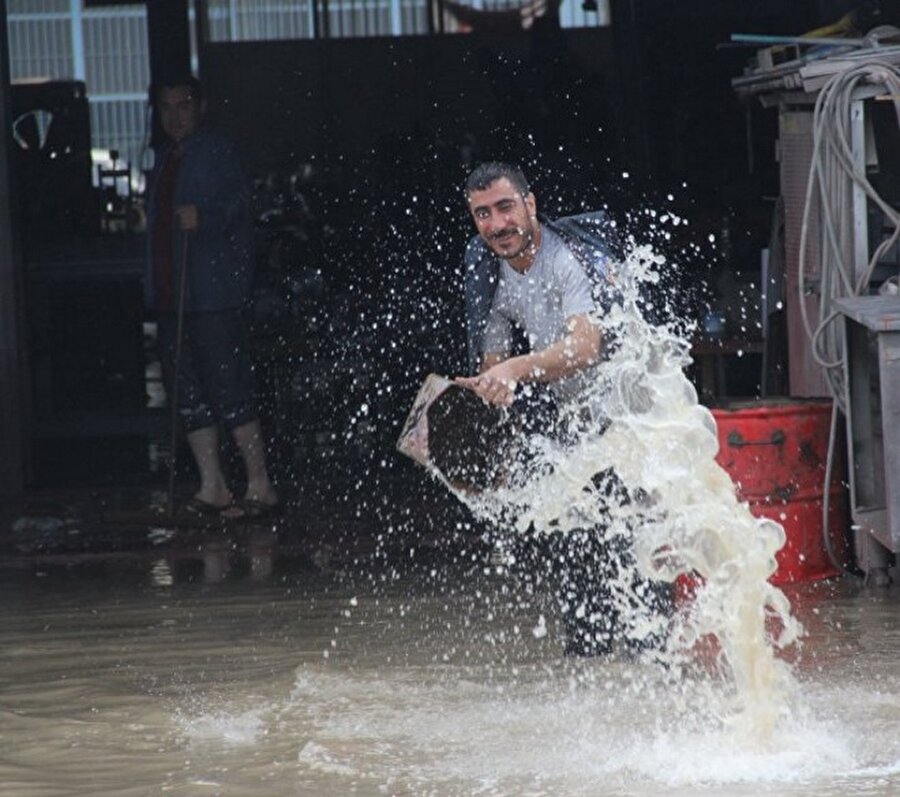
column 833, row 175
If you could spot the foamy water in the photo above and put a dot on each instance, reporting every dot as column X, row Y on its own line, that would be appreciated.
column 431, row 685
column 534, row 726
column 662, row 444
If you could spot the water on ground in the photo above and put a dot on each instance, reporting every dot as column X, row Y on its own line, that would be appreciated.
column 153, row 678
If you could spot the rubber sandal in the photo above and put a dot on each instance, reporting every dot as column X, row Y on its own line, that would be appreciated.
column 252, row 509
column 201, row 508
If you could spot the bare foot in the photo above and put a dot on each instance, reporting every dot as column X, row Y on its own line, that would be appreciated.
column 263, row 494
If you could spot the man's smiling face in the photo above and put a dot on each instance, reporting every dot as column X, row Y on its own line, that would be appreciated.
column 504, row 218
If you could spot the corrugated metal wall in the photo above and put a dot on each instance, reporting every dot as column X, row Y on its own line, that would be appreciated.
column 107, row 47
column 116, row 54
column 231, row 20
column 40, row 39
column 252, row 20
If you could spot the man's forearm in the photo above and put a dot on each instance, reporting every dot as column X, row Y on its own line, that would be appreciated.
column 575, row 352
column 558, row 361
column 490, row 360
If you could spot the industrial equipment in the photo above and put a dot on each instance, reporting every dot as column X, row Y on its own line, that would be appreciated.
column 838, row 103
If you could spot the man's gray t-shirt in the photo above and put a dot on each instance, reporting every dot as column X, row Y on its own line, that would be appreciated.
column 540, row 301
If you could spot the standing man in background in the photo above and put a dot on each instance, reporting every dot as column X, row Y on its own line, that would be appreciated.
column 198, row 220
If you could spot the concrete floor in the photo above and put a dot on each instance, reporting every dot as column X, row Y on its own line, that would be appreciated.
column 105, row 521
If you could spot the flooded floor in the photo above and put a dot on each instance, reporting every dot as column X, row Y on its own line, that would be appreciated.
column 199, row 677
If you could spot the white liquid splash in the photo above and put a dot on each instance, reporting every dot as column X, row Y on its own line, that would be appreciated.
column 662, row 444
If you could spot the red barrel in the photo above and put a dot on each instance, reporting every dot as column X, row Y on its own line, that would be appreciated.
column 775, row 451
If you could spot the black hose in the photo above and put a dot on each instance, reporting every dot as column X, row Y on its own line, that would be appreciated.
column 179, row 334
column 826, row 531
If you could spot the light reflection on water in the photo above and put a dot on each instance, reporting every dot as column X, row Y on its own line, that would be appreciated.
column 122, row 682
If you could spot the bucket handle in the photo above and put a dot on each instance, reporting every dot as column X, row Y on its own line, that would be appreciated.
column 736, row 440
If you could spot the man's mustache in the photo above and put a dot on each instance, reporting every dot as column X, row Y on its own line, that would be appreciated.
column 506, row 233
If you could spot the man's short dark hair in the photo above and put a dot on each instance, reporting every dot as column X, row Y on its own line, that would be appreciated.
column 488, row 173
column 174, row 81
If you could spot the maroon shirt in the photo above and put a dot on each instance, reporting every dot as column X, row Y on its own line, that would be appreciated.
column 163, row 234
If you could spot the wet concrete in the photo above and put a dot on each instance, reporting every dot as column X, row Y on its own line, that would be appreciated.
column 72, row 526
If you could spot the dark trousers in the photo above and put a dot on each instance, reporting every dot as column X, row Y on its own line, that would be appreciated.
column 215, row 375
column 603, row 600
